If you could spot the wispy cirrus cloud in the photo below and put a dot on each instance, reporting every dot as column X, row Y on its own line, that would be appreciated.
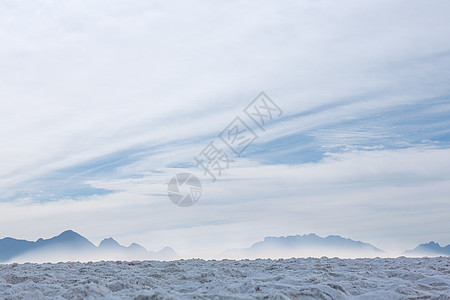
column 103, row 102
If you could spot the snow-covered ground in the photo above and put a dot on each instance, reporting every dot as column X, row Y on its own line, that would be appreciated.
column 311, row 278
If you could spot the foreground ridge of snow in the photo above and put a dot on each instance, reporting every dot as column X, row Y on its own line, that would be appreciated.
column 300, row 278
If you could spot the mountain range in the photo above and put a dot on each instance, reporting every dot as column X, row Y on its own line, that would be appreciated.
column 311, row 245
column 70, row 245
column 430, row 249
column 308, row 245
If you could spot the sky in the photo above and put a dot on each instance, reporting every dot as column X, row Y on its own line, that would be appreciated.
column 103, row 102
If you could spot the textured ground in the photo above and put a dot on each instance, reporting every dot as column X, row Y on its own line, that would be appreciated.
column 399, row 278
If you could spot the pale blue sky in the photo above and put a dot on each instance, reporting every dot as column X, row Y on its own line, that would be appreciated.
column 102, row 102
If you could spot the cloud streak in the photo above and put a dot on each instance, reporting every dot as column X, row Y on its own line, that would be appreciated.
column 101, row 103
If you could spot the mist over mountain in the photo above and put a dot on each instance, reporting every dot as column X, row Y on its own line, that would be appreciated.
column 110, row 244
column 68, row 239
column 71, row 246
column 308, row 245
column 10, row 247
column 430, row 249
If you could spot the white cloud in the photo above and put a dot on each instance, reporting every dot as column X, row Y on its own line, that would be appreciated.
column 82, row 81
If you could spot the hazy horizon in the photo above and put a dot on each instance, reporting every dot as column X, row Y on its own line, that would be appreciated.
column 298, row 246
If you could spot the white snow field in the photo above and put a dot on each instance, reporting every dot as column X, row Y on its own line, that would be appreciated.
column 303, row 278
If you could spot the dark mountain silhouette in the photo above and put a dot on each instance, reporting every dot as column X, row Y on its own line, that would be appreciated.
column 67, row 239
column 70, row 245
column 111, row 244
column 10, row 247
column 305, row 245
column 138, row 248
column 430, row 249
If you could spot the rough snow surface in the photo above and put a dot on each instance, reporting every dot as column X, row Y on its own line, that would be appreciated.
column 310, row 278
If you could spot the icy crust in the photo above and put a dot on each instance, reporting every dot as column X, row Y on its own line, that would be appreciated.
column 310, row 278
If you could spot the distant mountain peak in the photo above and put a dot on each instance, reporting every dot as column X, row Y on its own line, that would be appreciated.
column 136, row 247
column 433, row 243
column 109, row 243
column 311, row 235
column 69, row 232
column 68, row 239
column 167, row 249
column 66, row 235
column 167, row 253
column 430, row 249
